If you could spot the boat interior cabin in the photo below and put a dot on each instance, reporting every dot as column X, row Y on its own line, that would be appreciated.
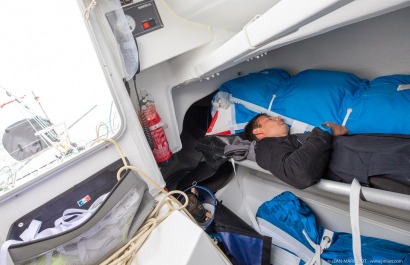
column 181, row 78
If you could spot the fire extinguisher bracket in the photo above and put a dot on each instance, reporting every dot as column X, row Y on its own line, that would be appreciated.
column 156, row 126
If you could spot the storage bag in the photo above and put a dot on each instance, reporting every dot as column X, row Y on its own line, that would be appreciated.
column 83, row 234
column 292, row 225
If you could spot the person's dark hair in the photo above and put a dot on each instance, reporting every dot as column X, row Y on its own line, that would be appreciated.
column 253, row 124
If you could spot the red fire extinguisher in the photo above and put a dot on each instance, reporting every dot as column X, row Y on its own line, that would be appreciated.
column 161, row 151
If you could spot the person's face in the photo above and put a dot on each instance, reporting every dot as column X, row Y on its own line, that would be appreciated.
column 271, row 127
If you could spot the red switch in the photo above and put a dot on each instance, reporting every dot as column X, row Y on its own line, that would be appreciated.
column 146, row 25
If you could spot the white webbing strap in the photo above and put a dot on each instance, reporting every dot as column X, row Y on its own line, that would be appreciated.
column 248, row 209
column 31, row 232
column 324, row 244
column 286, row 241
column 4, row 248
column 403, row 87
column 156, row 126
column 354, row 201
column 233, row 165
column 232, row 122
column 270, row 103
column 349, row 110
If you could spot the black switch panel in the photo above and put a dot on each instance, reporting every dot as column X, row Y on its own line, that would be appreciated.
column 143, row 17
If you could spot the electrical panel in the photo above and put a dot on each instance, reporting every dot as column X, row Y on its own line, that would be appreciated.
column 142, row 16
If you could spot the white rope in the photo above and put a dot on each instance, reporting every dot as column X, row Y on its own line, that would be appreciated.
column 127, row 252
column 116, row 146
column 88, row 10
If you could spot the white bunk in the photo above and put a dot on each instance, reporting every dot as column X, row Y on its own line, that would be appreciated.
column 252, row 186
column 382, row 197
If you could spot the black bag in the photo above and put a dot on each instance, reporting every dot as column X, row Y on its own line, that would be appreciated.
column 212, row 148
column 111, row 225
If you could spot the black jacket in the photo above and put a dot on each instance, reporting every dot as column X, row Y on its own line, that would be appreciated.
column 369, row 158
column 299, row 165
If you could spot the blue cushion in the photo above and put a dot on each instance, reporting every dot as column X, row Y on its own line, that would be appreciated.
column 379, row 107
column 316, row 96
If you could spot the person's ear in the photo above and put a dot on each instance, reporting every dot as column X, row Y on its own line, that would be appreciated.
column 257, row 131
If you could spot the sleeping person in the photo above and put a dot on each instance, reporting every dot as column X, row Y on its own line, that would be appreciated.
column 301, row 160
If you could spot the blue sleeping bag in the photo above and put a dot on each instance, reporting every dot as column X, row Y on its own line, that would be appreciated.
column 316, row 96
column 291, row 215
column 379, row 107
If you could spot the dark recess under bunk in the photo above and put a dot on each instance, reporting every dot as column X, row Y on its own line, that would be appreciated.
column 188, row 166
